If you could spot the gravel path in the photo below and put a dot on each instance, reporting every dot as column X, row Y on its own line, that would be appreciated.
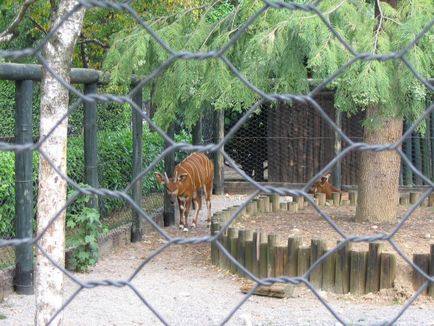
column 185, row 289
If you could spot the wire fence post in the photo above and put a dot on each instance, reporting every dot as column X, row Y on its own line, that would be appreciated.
column 137, row 126
column 90, row 143
column 23, row 281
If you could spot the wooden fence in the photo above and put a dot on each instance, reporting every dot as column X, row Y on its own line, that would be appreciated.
column 343, row 271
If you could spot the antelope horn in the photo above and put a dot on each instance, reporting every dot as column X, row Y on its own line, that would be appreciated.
column 166, row 178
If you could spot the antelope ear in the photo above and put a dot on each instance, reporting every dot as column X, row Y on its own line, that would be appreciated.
column 182, row 177
column 160, row 178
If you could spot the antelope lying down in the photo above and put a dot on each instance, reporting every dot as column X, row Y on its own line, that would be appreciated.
column 194, row 172
column 324, row 186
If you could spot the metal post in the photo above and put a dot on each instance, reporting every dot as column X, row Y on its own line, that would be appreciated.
column 219, row 186
column 137, row 125
column 169, row 166
column 408, row 150
column 90, row 148
column 23, row 280
column 337, row 174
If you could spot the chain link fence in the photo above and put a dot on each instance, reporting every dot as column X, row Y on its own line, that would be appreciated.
column 241, row 145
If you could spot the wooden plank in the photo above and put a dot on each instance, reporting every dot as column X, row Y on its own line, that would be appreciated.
column 280, row 253
column 276, row 290
column 373, row 272
column 358, row 272
column 387, row 271
column 421, row 260
column 317, row 247
column 294, row 244
column 342, row 271
column 255, row 253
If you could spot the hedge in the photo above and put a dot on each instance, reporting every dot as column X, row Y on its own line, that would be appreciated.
column 115, row 170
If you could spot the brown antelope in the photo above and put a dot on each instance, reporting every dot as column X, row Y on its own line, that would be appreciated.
column 194, row 172
column 324, row 186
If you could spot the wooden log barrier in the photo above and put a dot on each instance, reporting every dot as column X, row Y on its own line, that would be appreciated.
column 263, row 255
column 283, row 206
column 431, row 270
column 276, row 290
column 387, row 270
column 303, row 260
column 328, row 273
column 404, row 200
column 261, row 204
column 271, row 266
column 431, row 200
column 353, row 197
column 421, row 260
column 294, row 244
column 358, row 272
column 317, row 248
column 233, row 239
column 414, row 197
column 280, row 257
column 250, row 211
column 248, row 251
column 275, row 202
column 374, row 264
column 215, row 227
column 300, row 202
column 267, row 204
column 321, row 198
column 342, row 271
column 293, row 207
column 255, row 253
column 241, row 250
column 336, row 199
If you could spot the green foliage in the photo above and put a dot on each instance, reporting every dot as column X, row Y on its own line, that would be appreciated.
column 278, row 53
column 7, row 194
column 85, row 227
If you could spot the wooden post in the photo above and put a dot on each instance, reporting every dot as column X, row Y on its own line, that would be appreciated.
column 358, row 272
column 293, row 207
column 271, row 267
column 317, row 247
column 431, row 197
column 250, row 210
column 292, row 260
column 373, row 273
column 215, row 227
column 336, row 198
column 300, row 202
column 342, row 276
column 263, row 256
column 387, row 271
column 421, row 260
column 321, row 198
column 303, row 260
column 275, row 202
column 280, row 255
column 255, row 254
column 283, row 206
column 431, row 267
column 353, row 197
column 267, row 204
column 404, row 200
column 328, row 273
column 261, row 204
column 241, row 251
column 414, row 197
column 248, row 251
column 233, row 237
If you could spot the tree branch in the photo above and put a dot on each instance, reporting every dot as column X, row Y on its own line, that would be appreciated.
column 38, row 26
column 93, row 40
column 10, row 31
column 377, row 32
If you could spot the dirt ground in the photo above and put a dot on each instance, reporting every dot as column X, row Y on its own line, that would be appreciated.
column 185, row 289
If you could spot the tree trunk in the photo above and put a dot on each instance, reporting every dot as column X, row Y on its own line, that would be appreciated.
column 379, row 173
column 52, row 187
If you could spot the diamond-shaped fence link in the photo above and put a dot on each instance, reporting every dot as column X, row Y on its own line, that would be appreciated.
column 237, row 148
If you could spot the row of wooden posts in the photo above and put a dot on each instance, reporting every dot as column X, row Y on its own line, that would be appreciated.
column 344, row 271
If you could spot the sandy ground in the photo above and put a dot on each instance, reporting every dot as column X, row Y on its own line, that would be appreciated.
column 183, row 288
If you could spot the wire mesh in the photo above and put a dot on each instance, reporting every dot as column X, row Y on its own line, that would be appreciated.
column 259, row 170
